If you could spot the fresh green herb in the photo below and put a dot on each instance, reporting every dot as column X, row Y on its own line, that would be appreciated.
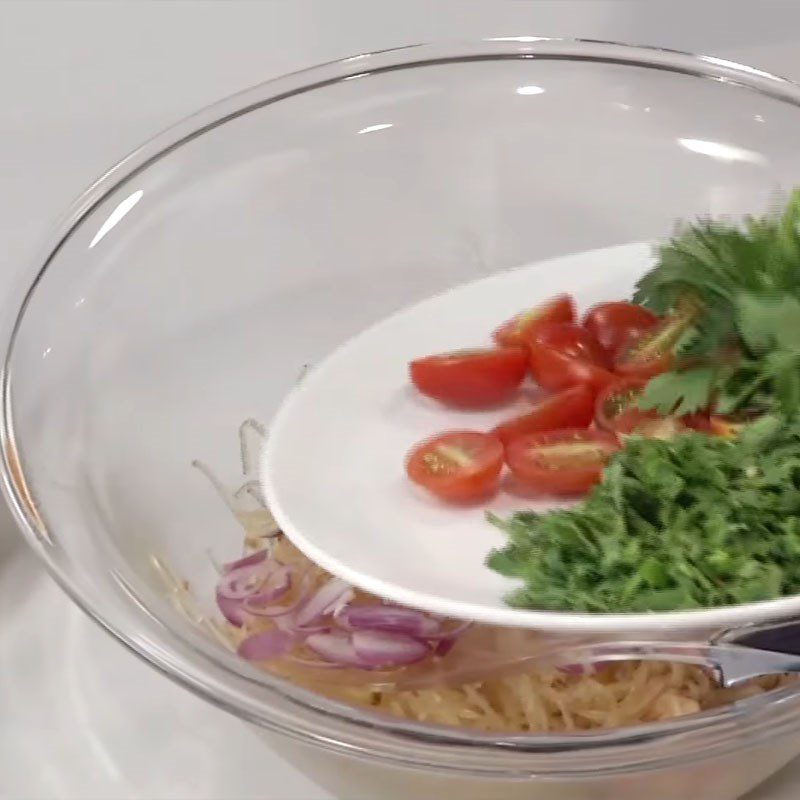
column 691, row 522
column 741, row 286
column 679, row 392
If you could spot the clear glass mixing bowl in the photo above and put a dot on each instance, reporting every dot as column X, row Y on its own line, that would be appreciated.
column 190, row 285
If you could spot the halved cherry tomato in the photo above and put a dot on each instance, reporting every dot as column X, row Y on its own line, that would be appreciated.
column 572, row 408
column 555, row 371
column 616, row 409
column 572, row 340
column 563, row 462
column 457, row 465
column 471, row 378
column 698, row 422
column 519, row 330
column 647, row 354
column 612, row 324
column 564, row 355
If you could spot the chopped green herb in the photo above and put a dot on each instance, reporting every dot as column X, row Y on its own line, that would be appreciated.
column 691, row 522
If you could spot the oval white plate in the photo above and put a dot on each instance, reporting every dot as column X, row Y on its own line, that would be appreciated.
column 333, row 467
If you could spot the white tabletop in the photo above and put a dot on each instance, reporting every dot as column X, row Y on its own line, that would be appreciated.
column 83, row 83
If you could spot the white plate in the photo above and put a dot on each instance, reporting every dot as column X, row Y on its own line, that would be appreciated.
column 333, row 473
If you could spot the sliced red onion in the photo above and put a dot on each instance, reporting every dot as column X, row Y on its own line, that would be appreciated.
column 232, row 610
column 245, row 581
column 247, row 561
column 288, row 624
column 389, row 619
column 444, row 646
column 253, row 605
column 335, row 647
column 342, row 602
column 376, row 649
column 275, row 586
column 259, row 607
column 451, row 633
column 235, row 610
column 313, row 663
column 266, row 646
column 373, row 637
column 323, row 601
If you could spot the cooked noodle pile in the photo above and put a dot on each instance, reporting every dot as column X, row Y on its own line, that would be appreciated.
column 540, row 701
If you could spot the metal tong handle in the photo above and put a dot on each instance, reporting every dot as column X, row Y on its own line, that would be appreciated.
column 731, row 663
column 734, row 656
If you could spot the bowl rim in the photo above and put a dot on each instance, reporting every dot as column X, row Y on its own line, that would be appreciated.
column 276, row 704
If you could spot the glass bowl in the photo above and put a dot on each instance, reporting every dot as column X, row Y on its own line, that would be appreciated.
column 188, row 288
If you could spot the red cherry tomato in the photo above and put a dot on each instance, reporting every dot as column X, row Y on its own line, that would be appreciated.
column 616, row 409
column 572, row 408
column 572, row 340
column 563, row 462
column 555, row 371
column 698, row 422
column 564, row 355
column 471, row 378
column 458, row 465
column 647, row 354
column 520, row 330
column 612, row 324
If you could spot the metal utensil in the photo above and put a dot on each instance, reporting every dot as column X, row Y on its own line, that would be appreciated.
column 734, row 656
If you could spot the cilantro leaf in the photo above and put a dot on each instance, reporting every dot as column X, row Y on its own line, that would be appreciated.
column 679, row 392
column 768, row 321
column 742, row 284
column 784, row 368
column 740, row 387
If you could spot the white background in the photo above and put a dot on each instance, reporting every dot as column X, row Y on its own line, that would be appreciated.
column 82, row 83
